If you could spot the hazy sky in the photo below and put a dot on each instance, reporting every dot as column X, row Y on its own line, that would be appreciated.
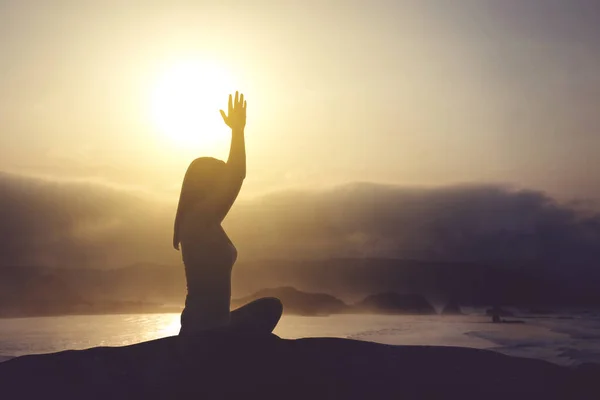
column 410, row 92
column 463, row 98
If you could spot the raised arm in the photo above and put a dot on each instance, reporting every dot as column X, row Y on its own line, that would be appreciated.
column 236, row 120
column 216, row 204
column 236, row 162
column 219, row 203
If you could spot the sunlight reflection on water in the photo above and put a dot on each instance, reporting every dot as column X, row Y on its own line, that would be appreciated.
column 554, row 339
column 20, row 336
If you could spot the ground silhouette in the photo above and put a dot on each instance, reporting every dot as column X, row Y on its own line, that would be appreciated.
column 228, row 366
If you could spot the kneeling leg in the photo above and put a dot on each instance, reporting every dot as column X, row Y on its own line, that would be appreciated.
column 257, row 317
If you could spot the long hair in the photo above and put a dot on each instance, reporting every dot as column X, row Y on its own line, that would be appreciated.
column 200, row 178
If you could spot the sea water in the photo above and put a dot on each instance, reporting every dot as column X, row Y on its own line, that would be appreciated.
column 566, row 339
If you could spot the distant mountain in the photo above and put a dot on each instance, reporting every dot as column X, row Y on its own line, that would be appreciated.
column 474, row 284
column 297, row 302
column 395, row 303
column 148, row 287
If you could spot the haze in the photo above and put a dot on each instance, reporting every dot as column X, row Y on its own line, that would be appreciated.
column 472, row 125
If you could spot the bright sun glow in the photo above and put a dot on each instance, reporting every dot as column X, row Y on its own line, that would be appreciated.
column 186, row 102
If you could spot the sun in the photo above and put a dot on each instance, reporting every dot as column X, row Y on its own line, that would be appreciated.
column 186, row 100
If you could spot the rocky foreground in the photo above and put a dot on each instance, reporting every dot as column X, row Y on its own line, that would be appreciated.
column 235, row 367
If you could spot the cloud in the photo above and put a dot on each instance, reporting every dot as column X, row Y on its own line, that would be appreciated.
column 77, row 224
column 475, row 223
column 70, row 224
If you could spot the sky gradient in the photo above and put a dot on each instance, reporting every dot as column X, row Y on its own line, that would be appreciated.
column 463, row 131
column 405, row 92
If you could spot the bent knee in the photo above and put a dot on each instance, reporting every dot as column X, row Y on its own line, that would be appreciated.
column 273, row 304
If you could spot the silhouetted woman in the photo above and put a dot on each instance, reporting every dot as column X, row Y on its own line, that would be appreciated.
column 210, row 187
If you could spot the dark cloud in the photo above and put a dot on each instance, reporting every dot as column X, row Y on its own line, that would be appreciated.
column 50, row 223
column 460, row 223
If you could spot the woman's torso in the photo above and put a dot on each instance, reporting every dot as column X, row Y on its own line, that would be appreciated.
column 208, row 256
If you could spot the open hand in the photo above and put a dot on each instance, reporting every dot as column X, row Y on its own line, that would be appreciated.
column 236, row 113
